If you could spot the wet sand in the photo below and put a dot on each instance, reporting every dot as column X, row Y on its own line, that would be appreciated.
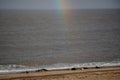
column 79, row 74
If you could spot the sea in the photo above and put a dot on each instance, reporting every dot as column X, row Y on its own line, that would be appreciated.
column 46, row 39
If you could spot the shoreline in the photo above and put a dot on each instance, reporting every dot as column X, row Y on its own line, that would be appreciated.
column 14, row 69
column 113, row 72
column 55, row 69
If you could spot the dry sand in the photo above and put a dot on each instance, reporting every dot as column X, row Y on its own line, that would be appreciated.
column 86, row 74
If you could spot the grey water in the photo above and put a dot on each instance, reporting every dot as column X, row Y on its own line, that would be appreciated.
column 46, row 37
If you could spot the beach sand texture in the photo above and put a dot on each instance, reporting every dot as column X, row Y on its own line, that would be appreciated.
column 86, row 74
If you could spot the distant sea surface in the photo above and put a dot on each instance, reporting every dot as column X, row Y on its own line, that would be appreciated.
column 48, row 39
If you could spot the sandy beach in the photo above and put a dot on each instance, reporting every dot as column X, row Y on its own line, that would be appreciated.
column 85, row 74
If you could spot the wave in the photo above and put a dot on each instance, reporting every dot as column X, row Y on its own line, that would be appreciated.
column 7, row 69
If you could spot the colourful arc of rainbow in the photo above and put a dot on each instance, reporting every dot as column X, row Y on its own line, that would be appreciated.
column 64, row 12
column 65, row 20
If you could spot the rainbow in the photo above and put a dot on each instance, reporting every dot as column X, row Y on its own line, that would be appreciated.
column 64, row 12
column 65, row 20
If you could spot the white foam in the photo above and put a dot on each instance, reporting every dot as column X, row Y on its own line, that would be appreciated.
column 92, row 64
column 5, row 69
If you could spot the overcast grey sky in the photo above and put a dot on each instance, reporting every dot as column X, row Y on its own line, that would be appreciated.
column 53, row 4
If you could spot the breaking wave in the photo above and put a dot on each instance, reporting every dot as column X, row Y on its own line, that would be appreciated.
column 7, row 69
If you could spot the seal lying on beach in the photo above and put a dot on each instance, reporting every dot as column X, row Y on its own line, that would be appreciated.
column 41, row 70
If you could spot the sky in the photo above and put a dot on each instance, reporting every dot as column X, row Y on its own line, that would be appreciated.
column 59, row 4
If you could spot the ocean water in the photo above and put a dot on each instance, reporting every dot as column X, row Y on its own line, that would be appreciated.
column 37, row 39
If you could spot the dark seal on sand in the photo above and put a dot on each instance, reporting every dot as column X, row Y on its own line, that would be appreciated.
column 41, row 70
column 73, row 69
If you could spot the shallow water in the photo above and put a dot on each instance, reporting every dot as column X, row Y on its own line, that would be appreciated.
column 44, row 37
